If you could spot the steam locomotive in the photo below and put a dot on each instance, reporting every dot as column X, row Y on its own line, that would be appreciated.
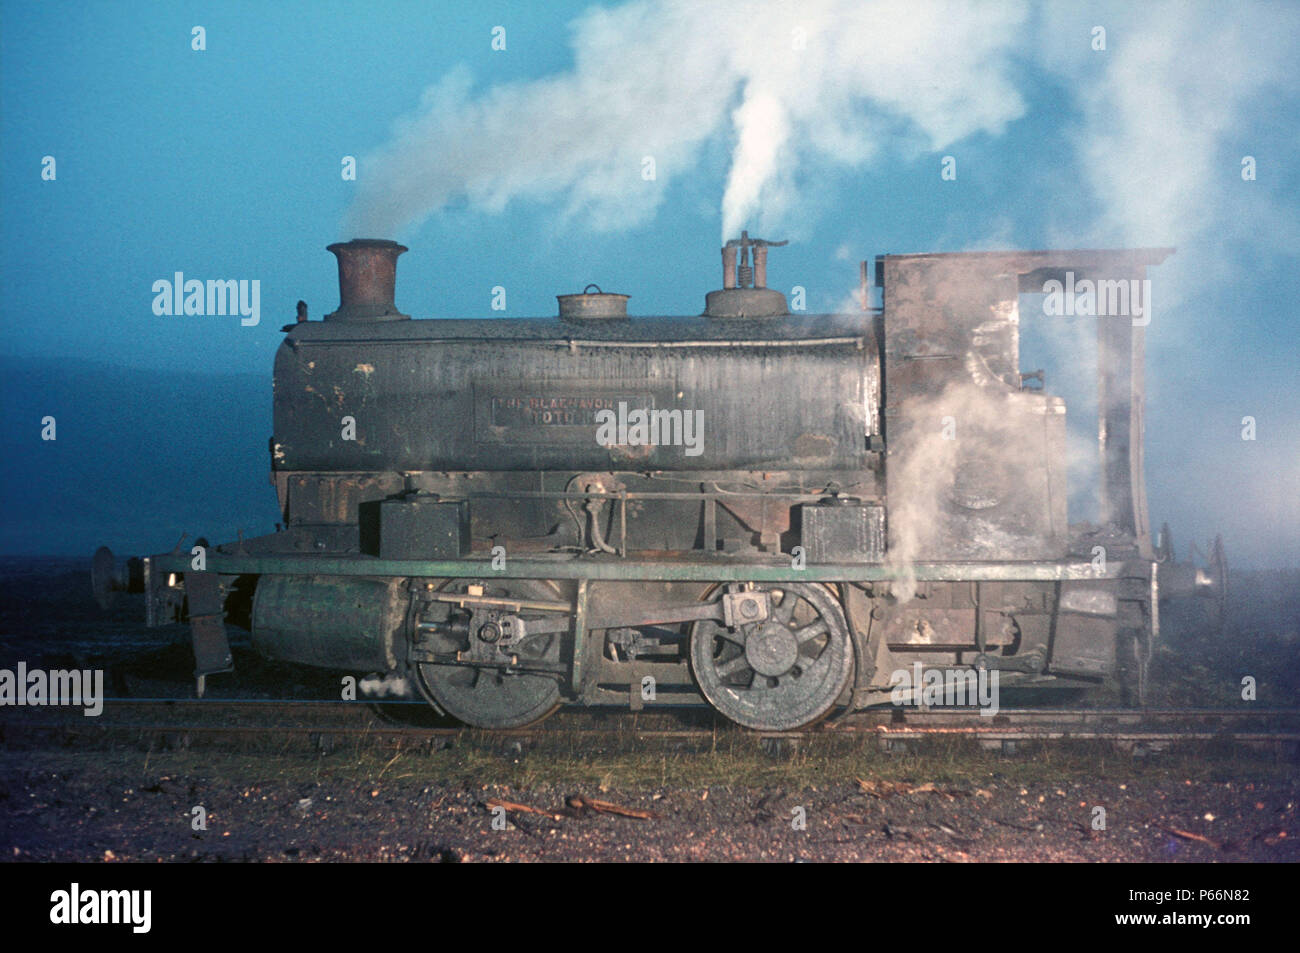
column 774, row 513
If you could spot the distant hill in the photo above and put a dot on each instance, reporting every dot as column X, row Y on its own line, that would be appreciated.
column 140, row 456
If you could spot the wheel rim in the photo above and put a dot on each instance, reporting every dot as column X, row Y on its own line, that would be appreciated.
column 780, row 674
column 487, row 698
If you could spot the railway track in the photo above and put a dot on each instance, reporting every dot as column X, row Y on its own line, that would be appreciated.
column 328, row 724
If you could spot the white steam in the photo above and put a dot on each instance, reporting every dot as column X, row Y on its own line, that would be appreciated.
column 970, row 479
column 764, row 129
column 788, row 85
column 785, row 84
column 1161, row 125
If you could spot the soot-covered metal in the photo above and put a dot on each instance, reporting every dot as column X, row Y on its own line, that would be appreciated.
column 764, row 511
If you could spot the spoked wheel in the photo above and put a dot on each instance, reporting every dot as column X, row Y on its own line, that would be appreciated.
column 489, row 697
column 782, row 673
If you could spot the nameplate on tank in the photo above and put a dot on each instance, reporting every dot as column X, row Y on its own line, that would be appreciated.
column 556, row 412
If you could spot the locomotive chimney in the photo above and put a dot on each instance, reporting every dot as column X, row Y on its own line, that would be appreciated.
column 744, row 292
column 367, row 278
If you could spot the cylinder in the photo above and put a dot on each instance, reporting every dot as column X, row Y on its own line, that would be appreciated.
column 344, row 622
column 367, row 280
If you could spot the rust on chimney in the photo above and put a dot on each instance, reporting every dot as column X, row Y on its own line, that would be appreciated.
column 728, row 266
column 367, row 280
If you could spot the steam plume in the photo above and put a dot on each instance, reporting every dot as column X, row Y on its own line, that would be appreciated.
column 784, row 83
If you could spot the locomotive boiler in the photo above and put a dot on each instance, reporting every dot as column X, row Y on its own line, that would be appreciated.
column 773, row 512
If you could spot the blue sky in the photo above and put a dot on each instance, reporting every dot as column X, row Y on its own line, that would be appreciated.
column 524, row 165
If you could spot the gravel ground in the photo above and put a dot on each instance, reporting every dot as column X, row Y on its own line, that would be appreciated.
column 86, row 814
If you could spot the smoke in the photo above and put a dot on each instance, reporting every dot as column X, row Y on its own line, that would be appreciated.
column 787, row 85
column 784, row 84
column 1160, row 112
column 764, row 128
column 1162, row 121
column 971, row 482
